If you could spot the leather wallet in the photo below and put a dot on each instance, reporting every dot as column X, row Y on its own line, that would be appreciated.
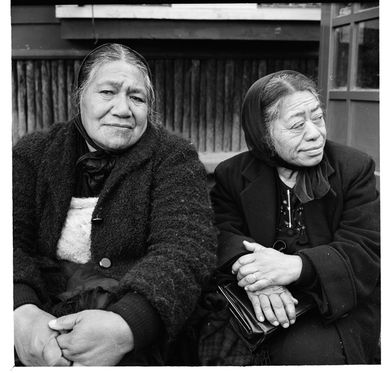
column 253, row 331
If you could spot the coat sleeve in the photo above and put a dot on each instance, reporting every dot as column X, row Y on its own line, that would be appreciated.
column 181, row 240
column 28, row 284
column 347, row 268
column 229, row 218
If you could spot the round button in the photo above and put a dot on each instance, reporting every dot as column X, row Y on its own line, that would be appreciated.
column 105, row 263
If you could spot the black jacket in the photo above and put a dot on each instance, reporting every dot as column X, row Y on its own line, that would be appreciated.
column 343, row 228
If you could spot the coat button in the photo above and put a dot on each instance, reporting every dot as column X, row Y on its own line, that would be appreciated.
column 105, row 263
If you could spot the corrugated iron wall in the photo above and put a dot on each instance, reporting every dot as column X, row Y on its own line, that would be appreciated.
column 200, row 99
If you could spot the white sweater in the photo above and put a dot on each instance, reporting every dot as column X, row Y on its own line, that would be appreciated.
column 75, row 240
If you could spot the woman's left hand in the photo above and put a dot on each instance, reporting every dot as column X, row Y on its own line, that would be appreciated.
column 93, row 337
column 265, row 267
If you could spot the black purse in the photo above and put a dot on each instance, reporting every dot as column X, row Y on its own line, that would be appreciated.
column 244, row 322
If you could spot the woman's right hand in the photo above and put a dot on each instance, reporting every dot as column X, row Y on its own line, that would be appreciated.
column 275, row 304
column 35, row 342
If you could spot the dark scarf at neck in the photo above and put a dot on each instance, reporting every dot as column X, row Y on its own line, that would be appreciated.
column 311, row 182
column 92, row 167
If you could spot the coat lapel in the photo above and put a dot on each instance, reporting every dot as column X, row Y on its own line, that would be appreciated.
column 59, row 168
column 260, row 190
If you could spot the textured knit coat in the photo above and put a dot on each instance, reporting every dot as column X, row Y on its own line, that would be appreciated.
column 343, row 229
column 152, row 221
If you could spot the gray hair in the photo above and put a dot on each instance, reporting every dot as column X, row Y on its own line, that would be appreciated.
column 110, row 53
column 278, row 87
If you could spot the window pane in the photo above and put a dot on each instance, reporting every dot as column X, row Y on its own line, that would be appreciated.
column 368, row 58
column 341, row 55
column 343, row 9
column 368, row 4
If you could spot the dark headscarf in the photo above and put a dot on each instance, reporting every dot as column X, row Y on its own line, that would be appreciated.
column 93, row 167
column 312, row 182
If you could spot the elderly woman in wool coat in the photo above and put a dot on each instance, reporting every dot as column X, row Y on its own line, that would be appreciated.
column 112, row 226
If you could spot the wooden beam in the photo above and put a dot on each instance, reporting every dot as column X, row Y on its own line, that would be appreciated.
column 189, row 12
column 78, row 29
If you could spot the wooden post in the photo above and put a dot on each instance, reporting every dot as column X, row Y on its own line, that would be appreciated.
column 202, row 107
column 236, row 120
column 21, row 102
column 219, row 105
column 178, row 96
column 62, row 91
column 70, row 86
column 47, row 94
column 169, row 93
column 54, row 85
column 186, row 129
column 38, row 95
column 246, row 83
column 15, row 114
column 194, row 103
column 229, row 105
column 30, row 99
column 159, row 90
column 210, row 105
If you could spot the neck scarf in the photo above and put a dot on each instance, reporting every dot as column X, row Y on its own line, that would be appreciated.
column 93, row 167
column 312, row 182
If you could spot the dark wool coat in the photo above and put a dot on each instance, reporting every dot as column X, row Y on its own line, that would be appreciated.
column 152, row 220
column 343, row 229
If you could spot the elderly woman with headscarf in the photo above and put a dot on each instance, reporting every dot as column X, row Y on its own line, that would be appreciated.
column 300, row 214
column 112, row 226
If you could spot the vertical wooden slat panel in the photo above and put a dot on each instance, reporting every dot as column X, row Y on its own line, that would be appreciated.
column 38, row 95
column 159, row 90
column 169, row 99
column 21, row 99
column 199, row 99
column 219, row 105
column 47, row 94
column 202, row 107
column 178, row 96
column 228, row 103
column 186, row 100
column 15, row 115
column 62, row 91
column 254, row 71
column 194, row 103
column 246, row 83
column 210, row 105
column 54, row 86
column 70, row 87
column 236, row 120
column 262, row 68
column 30, row 92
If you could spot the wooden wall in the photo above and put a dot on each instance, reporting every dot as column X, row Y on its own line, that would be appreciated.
column 198, row 98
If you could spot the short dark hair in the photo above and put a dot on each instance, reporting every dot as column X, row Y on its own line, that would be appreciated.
column 110, row 53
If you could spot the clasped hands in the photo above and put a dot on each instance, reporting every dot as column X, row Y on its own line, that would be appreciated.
column 91, row 337
column 263, row 274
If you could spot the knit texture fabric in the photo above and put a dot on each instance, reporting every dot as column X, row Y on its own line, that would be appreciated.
column 75, row 240
column 152, row 221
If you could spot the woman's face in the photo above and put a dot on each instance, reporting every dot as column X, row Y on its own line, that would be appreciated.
column 299, row 133
column 114, row 106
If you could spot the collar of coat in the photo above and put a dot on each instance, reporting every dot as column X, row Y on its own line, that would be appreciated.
column 59, row 160
column 261, row 186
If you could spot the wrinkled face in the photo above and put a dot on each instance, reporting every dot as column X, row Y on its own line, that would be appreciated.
column 114, row 106
column 299, row 132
